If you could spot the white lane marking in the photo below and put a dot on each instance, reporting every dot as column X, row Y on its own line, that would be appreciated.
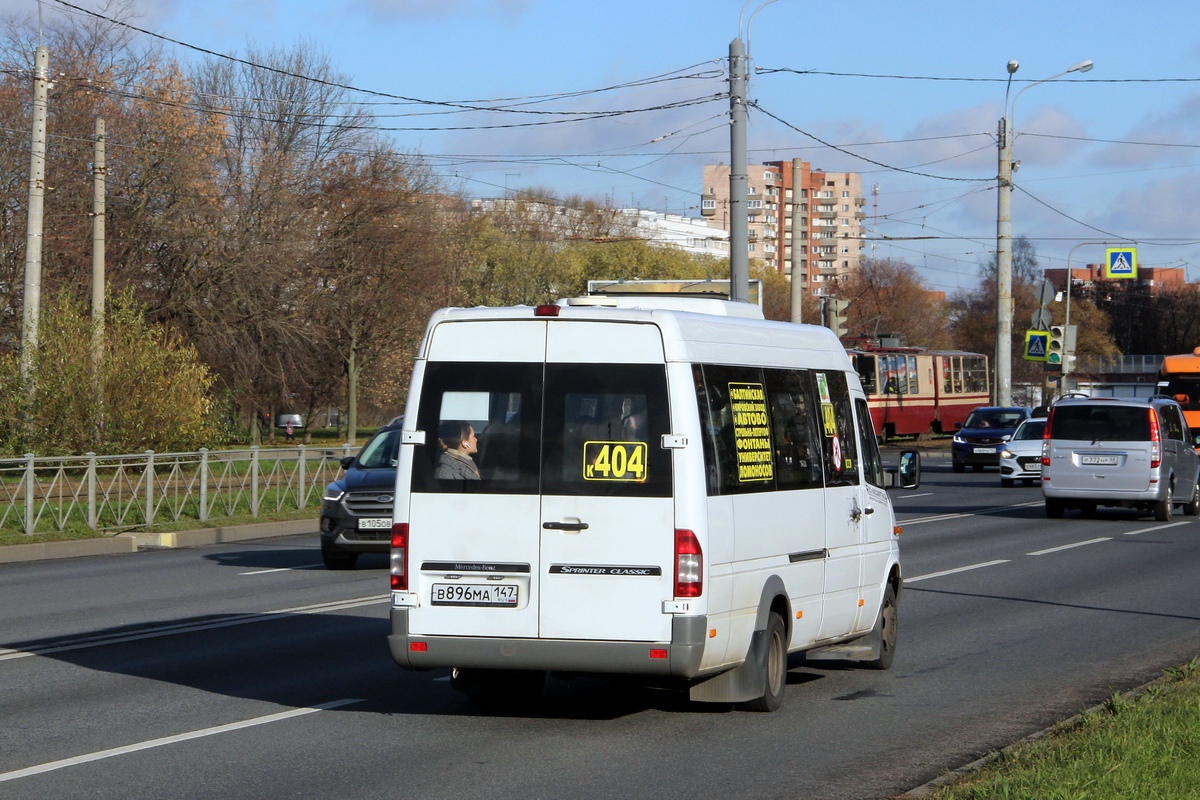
column 960, row 515
column 181, row 737
column 281, row 569
column 911, row 496
column 953, row 571
column 189, row 627
column 1156, row 528
column 1069, row 546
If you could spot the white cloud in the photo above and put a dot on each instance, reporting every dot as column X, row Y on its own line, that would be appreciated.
column 1178, row 126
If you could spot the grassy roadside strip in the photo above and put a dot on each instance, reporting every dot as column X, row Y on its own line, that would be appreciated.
column 76, row 531
column 1141, row 744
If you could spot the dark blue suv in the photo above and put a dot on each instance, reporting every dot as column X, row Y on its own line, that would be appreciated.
column 356, row 512
column 979, row 440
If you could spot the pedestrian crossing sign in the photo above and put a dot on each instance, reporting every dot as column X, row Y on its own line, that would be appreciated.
column 1037, row 345
column 1121, row 263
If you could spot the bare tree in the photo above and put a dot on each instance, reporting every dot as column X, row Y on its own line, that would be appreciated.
column 887, row 296
column 284, row 120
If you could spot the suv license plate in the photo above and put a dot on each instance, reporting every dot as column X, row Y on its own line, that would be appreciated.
column 1098, row 461
column 474, row 594
column 374, row 523
column 985, row 449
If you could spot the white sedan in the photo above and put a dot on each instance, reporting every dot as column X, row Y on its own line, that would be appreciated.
column 1021, row 457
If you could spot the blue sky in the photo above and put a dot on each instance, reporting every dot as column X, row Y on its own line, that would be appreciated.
column 1110, row 154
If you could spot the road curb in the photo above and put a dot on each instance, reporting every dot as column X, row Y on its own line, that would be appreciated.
column 152, row 540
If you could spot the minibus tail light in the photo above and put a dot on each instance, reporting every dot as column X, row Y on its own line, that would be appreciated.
column 689, row 565
column 546, row 310
column 400, row 557
column 1046, row 439
column 1155, row 441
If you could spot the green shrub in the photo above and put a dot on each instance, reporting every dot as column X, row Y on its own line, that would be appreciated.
column 150, row 393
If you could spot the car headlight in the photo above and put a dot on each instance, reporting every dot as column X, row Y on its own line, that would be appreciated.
column 1006, row 454
column 333, row 493
column 959, row 440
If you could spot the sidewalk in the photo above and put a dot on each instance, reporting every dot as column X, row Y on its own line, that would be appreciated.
column 133, row 542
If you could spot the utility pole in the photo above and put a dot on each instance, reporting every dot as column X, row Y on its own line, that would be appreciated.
column 798, row 287
column 98, row 173
column 1004, row 300
column 739, row 219
column 33, row 224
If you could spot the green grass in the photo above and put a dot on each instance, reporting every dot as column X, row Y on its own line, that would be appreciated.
column 75, row 530
column 1143, row 746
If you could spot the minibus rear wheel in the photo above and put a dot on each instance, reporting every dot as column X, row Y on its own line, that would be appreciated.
column 774, row 667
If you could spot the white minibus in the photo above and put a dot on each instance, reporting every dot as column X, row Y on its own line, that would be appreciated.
column 665, row 486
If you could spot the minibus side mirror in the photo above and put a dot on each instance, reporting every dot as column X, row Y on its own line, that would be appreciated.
column 346, row 461
column 908, row 474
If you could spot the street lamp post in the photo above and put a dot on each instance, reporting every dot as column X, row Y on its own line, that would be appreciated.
column 1004, row 300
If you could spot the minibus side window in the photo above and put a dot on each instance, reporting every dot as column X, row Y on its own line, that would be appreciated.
column 794, row 430
column 871, row 459
column 603, row 430
column 738, row 452
column 837, row 429
column 500, row 405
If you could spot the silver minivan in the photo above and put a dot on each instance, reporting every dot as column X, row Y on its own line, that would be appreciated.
column 1129, row 453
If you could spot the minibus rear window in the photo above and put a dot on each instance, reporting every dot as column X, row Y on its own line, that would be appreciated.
column 603, row 429
column 529, row 428
column 482, row 428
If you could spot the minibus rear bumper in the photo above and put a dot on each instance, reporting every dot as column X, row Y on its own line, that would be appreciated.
column 678, row 658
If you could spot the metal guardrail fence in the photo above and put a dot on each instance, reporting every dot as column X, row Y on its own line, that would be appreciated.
column 1124, row 365
column 137, row 491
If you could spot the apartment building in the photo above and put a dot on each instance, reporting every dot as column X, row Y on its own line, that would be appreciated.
column 831, row 213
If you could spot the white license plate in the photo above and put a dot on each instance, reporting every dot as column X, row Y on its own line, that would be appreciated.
column 985, row 449
column 1034, row 467
column 1098, row 461
column 374, row 523
column 474, row 594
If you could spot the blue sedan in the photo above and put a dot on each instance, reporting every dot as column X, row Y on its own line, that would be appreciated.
column 978, row 442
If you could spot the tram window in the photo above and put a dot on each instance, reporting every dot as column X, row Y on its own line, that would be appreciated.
column 867, row 373
column 974, row 374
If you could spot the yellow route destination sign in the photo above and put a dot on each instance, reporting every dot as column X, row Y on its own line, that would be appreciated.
column 751, row 433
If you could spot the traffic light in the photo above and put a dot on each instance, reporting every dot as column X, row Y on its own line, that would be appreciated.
column 836, row 316
column 1061, row 349
column 1056, row 349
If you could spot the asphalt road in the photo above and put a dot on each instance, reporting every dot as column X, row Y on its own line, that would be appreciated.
column 246, row 670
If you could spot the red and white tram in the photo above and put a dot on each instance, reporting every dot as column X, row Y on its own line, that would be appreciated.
column 911, row 390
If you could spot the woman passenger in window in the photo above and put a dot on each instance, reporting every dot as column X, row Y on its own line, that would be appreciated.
column 457, row 438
